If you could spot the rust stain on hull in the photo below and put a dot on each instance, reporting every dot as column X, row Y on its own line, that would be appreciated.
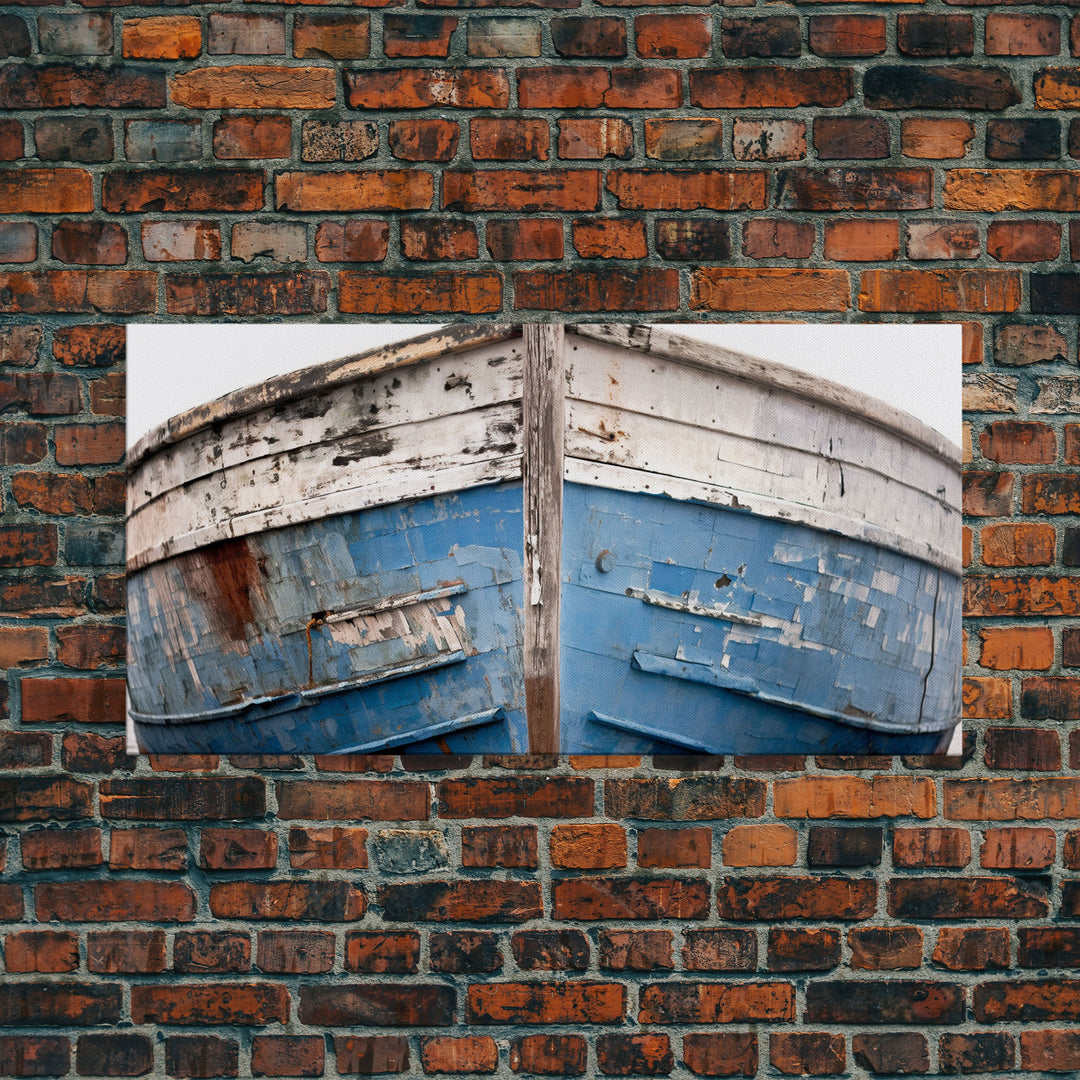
column 226, row 580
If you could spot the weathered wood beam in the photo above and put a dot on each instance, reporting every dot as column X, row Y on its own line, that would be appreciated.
column 543, row 403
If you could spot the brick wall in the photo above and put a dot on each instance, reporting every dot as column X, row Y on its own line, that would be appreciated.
column 238, row 917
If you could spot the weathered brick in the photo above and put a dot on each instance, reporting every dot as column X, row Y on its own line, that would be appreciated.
column 861, row 240
column 966, row 898
column 777, row 35
column 803, row 950
column 854, row 797
column 549, row 1055
column 460, row 1054
column 847, row 35
column 216, row 1003
column 972, row 948
column 666, row 37
column 323, row 901
column 162, row 140
column 114, row 900
column 1034, row 999
column 854, row 137
column 588, row 846
column 162, row 37
column 423, row 139
column 18, row 241
column 550, row 950
column 455, row 901
column 1017, row 849
column 885, row 948
column 201, row 1056
column 671, row 848
column 935, row 35
column 254, row 87
column 421, row 88
column 629, row 898
column 1018, row 545
column 720, row 950
column 371, row 1054
column 635, row 950
column 583, row 37
column 508, row 139
column 889, row 86
column 849, row 846
column 922, row 137
column 231, row 33
column 901, row 1052
column 1022, row 35
column 41, row 951
column 769, row 87
column 293, row 952
column 795, row 898
column 596, row 290
column 1023, row 140
column 684, row 140
column 1027, row 648
column 14, row 36
column 980, row 291
column 881, row 189
column 886, row 1002
column 767, row 140
column 807, row 1053
column 338, row 140
column 594, row 138
column 715, row 1003
column 178, row 190
column 1051, row 1051
column 382, row 1004
column 721, row 1054
column 942, row 240
column 239, row 138
column 776, row 238
column 1023, row 241
column 148, row 849
column 983, row 1051
column 207, row 951
column 287, row 1055
column 464, row 951
column 1012, row 799
column 596, row 87
column 66, row 86
column 439, row 291
column 769, row 289
column 634, row 1055
column 415, row 35
column 760, row 845
column 300, row 292
column 354, row 240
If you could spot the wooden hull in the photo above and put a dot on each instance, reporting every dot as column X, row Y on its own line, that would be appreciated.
column 749, row 563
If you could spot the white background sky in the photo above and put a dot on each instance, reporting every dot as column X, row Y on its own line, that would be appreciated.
column 173, row 367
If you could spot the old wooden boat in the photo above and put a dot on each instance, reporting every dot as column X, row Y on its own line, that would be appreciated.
column 605, row 540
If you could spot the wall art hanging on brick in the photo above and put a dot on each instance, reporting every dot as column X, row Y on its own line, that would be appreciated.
column 517, row 539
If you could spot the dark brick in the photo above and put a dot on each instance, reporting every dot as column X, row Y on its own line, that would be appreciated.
column 803, row 950
column 1055, row 294
column 201, row 1057
column 351, row 1004
column 889, row 1002
column 720, row 950
column 550, row 950
column 839, row 846
column 464, row 951
column 889, row 86
column 935, row 35
column 891, row 1053
column 693, row 239
column 578, row 37
column 115, row 1054
column 983, row 1051
column 1023, row 140
column 776, row 36
column 59, row 1004
column 34, row 1055
column 369, row 1055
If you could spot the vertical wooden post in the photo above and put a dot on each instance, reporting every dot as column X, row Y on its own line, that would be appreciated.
column 543, row 403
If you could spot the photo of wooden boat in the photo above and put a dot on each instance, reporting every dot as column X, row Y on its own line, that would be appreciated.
column 592, row 539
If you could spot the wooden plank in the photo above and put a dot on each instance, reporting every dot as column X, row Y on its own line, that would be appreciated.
column 543, row 412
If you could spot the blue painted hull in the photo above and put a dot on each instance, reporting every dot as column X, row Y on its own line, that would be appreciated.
column 685, row 627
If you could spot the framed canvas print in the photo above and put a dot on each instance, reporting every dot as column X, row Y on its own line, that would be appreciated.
column 588, row 539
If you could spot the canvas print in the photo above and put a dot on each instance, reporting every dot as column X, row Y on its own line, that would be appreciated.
column 590, row 539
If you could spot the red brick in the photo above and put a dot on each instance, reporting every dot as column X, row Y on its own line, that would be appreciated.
column 935, row 35
column 461, row 1054
column 423, row 139
column 287, row 1055
column 854, row 797
column 895, row 1001
column 715, row 1003
column 1022, row 35
column 942, row 240
column 148, row 849
column 853, row 137
column 684, row 799
column 588, row 846
column 254, row 87
column 88, row 646
column 238, row 849
column 981, row 291
column 464, row 951
column 807, row 1053
column 18, row 242
column 325, row 901
column 566, row 1002
column 1017, row 849
column 201, row 1056
column 108, row 901
column 1021, row 596
column 1008, row 189
column 380, row 952
column 1033, row 999
column 885, row 948
column 23, row 646
column 760, row 845
column 34, row 1055
column 295, row 952
column 653, row 189
column 79, row 700
column 27, row 545
column 1018, row 442
column 1050, row 1051
column 585, row 37
column 1024, row 241
column 181, row 190
column 162, row 37
column 205, row 951
column 983, row 1051
column 355, row 240
column 89, row 444
column 672, row 848
column 1018, row 545
column 769, row 289
column 41, row 951
column 803, row 950
column 417, row 35
column 19, row 345
column 596, row 290
column 634, row 1055
column 340, row 847
column 795, row 898
column 777, row 238
column 113, row 292
column 667, row 37
column 494, row 138
column 673, row 139
column 240, row 138
column 354, row 1004
column 635, row 950
column 861, row 240
column 550, row 950
column 629, row 898
column 972, row 948
column 438, row 238
column 442, row 901
column 371, row 1054
column 721, row 1054
column 610, row 238
column 952, row 898
column 422, row 88
column 214, row 1003
column 333, row 36
column 769, row 87
column 847, row 35
column 549, row 1055
column 1027, row 648
column 387, row 189
column 594, row 138
column 766, row 140
column 497, row 189
column 598, row 87
column 443, row 291
column 1050, row 494
column 720, row 950
column 525, row 239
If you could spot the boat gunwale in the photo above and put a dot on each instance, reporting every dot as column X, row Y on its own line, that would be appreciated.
column 653, row 338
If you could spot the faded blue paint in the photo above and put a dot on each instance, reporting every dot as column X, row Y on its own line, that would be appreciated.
column 257, row 687
column 791, row 640
column 634, row 671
